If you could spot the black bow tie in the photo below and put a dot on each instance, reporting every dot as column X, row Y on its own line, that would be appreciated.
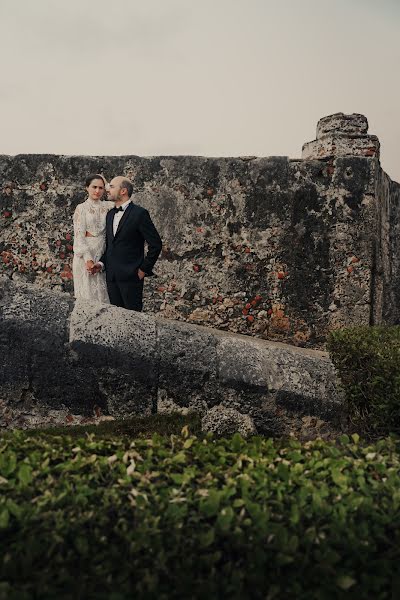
column 119, row 209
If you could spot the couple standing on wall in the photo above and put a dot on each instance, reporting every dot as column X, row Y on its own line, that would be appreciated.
column 109, row 262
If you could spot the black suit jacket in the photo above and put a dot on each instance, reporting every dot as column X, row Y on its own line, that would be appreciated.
column 124, row 253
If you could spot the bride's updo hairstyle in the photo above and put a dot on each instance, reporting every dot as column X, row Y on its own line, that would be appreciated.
column 93, row 176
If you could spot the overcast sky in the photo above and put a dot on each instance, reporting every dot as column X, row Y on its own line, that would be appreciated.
column 204, row 77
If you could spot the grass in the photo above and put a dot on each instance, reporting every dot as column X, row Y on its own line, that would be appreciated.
column 166, row 424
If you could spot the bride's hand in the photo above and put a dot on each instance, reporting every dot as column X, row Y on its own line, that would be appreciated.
column 96, row 269
column 89, row 265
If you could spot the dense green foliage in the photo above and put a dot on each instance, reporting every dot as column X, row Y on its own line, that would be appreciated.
column 182, row 517
column 368, row 362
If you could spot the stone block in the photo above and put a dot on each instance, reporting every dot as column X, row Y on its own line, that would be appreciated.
column 118, row 348
column 272, row 382
column 36, row 367
column 223, row 421
column 337, row 144
column 187, row 367
column 354, row 124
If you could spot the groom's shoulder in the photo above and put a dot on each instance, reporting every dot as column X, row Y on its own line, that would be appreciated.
column 138, row 210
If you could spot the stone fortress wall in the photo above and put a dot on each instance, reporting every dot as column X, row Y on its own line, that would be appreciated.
column 276, row 248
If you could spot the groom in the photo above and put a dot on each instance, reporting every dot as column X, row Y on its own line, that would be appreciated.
column 128, row 227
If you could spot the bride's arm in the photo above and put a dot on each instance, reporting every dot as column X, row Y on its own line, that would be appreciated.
column 81, row 247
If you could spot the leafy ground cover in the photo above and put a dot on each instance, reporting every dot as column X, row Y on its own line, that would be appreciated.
column 185, row 517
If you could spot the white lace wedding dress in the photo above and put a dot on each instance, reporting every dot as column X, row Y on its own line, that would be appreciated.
column 90, row 216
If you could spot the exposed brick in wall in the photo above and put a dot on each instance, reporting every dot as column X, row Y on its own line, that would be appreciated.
column 277, row 248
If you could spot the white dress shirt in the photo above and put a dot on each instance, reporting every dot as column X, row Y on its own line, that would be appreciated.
column 118, row 216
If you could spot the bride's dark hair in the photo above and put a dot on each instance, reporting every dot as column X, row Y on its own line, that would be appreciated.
column 93, row 176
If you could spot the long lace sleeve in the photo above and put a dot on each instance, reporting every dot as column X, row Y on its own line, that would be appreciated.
column 81, row 248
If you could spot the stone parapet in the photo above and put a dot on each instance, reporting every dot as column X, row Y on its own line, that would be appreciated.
column 342, row 135
column 354, row 124
column 60, row 356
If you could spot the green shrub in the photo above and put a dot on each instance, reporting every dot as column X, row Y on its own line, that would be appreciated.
column 181, row 517
column 368, row 362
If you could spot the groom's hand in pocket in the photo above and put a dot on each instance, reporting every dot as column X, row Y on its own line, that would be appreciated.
column 141, row 274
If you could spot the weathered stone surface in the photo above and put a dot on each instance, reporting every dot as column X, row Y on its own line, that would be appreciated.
column 335, row 144
column 223, row 421
column 129, row 363
column 274, row 248
column 34, row 415
column 35, row 361
column 386, row 272
column 347, row 124
column 272, row 382
column 187, row 367
column 119, row 347
column 103, row 362
column 342, row 135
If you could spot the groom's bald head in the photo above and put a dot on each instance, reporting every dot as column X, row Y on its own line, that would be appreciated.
column 120, row 189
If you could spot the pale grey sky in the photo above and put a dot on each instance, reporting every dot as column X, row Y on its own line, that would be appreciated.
column 209, row 77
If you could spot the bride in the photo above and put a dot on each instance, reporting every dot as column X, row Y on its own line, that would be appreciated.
column 89, row 241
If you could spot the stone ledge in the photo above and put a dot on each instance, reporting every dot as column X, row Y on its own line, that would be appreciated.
column 129, row 364
column 338, row 144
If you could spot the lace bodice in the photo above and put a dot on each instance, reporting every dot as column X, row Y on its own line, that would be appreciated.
column 89, row 216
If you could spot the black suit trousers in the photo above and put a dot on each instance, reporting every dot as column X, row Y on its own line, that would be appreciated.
column 126, row 294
